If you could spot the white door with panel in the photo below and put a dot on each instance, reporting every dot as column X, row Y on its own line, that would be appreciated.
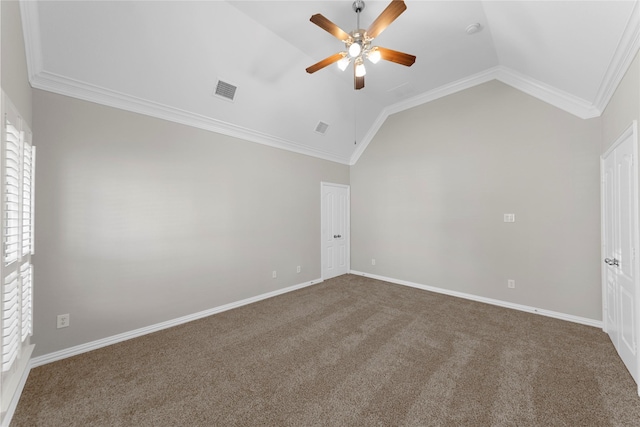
column 335, row 230
column 619, row 246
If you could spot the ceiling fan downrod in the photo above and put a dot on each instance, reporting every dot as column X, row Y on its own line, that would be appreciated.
column 358, row 6
column 357, row 34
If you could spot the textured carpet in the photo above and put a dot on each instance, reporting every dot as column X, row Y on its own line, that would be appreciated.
column 349, row 351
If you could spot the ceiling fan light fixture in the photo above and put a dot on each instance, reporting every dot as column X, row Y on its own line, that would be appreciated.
column 360, row 70
column 374, row 55
column 344, row 62
column 355, row 49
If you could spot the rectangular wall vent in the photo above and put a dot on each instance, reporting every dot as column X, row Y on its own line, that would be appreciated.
column 322, row 127
column 225, row 90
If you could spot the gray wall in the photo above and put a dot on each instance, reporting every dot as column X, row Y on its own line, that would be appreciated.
column 15, row 80
column 140, row 220
column 430, row 191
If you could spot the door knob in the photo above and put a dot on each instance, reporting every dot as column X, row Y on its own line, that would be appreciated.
column 336, row 236
column 610, row 261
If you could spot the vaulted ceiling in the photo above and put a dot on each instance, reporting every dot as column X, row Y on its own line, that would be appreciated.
column 165, row 59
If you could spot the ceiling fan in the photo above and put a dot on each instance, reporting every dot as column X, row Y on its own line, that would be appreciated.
column 358, row 42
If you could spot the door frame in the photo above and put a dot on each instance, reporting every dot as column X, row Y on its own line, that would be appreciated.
column 631, row 131
column 324, row 184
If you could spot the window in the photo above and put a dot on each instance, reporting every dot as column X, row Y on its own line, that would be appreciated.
column 16, row 234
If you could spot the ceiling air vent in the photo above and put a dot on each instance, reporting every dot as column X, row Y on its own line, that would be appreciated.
column 322, row 127
column 225, row 90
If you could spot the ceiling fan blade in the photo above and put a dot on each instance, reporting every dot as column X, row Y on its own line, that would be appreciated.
column 325, row 62
column 358, row 82
column 395, row 9
column 397, row 57
column 330, row 27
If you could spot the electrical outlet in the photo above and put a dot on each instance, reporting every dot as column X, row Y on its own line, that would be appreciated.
column 511, row 284
column 298, row 269
column 274, row 274
column 63, row 320
column 509, row 217
column 373, row 261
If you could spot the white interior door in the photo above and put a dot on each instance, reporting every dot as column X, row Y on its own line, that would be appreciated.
column 620, row 240
column 335, row 230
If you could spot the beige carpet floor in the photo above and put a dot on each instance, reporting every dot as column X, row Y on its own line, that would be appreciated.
column 349, row 351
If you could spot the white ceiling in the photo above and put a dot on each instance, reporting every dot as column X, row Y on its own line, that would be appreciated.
column 164, row 59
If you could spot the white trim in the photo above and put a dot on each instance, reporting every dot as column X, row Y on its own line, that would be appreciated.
column 602, row 251
column 441, row 92
column 8, row 415
column 94, row 345
column 446, row 90
column 546, row 93
column 500, row 303
column 636, row 244
column 631, row 130
column 77, row 89
column 559, row 99
column 625, row 53
column 32, row 40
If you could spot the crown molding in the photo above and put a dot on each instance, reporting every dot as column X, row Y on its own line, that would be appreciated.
column 368, row 137
column 539, row 90
column 442, row 91
column 625, row 53
column 32, row 39
column 76, row 89
column 546, row 93
column 70, row 87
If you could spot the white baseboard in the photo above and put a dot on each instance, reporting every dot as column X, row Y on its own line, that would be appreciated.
column 506, row 304
column 94, row 345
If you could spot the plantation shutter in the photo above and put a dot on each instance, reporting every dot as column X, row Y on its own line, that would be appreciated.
column 26, row 273
column 11, row 193
column 28, row 161
column 10, row 321
column 16, row 234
